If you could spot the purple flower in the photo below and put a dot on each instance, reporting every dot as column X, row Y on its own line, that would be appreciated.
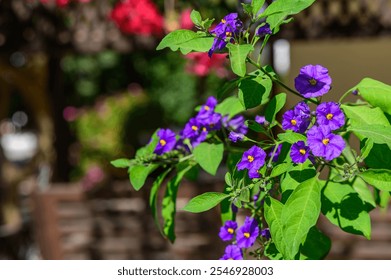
column 194, row 131
column 260, row 119
column 265, row 233
column 235, row 137
column 236, row 124
column 208, row 107
column 227, row 231
column 299, row 152
column 276, row 154
column 167, row 141
column 232, row 252
column 248, row 233
column 313, row 81
column 329, row 114
column 298, row 119
column 253, row 159
column 323, row 143
column 229, row 26
column 264, row 30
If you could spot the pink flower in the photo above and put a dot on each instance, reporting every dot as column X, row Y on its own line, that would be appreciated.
column 185, row 20
column 201, row 65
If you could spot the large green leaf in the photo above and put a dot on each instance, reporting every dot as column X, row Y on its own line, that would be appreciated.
column 363, row 191
column 209, row 156
column 139, row 173
column 379, row 134
column 230, row 106
column 186, row 41
column 343, row 207
column 379, row 178
column 272, row 253
column 316, row 246
column 379, row 157
column 360, row 115
column 169, row 204
column 204, row 202
column 153, row 197
column 254, row 91
column 273, row 210
column 376, row 93
column 238, row 55
column 299, row 214
column 280, row 9
column 274, row 106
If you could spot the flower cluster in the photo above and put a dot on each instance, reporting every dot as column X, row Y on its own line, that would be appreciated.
column 246, row 236
column 197, row 129
column 201, row 64
column 138, row 17
column 229, row 27
column 314, row 81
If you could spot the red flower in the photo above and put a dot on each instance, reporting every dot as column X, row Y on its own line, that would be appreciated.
column 201, row 65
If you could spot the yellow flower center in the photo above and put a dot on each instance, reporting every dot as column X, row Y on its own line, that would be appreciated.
column 207, row 108
column 302, row 151
column 228, row 34
column 230, row 230
column 204, row 129
column 230, row 259
column 250, row 158
column 223, row 21
column 325, row 141
column 246, row 234
column 329, row 116
column 162, row 142
column 293, row 122
column 195, row 128
column 313, row 82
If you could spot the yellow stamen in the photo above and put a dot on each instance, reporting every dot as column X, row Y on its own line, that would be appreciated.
column 250, row 158
column 293, row 122
column 329, row 116
column 195, row 128
column 230, row 230
column 325, row 141
column 313, row 82
column 302, row 151
column 204, row 129
column 162, row 142
column 223, row 21
column 207, row 108
column 228, row 34
column 246, row 234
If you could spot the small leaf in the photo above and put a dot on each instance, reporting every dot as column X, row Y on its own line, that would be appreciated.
column 228, row 179
column 291, row 137
column 204, row 202
column 274, row 106
column 254, row 91
column 230, row 106
column 139, row 173
column 300, row 213
column 367, row 148
column 209, row 156
column 281, row 168
column 379, row 178
column 238, row 55
column 254, row 126
column 121, row 163
column 195, row 17
column 245, row 195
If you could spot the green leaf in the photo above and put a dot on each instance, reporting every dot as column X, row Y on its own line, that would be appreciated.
column 376, row 93
column 343, row 207
column 238, row 55
column 379, row 157
column 257, row 5
column 363, row 191
column 186, row 41
column 360, row 115
column 153, row 197
column 254, row 91
column 379, row 134
column 299, row 214
column 139, row 173
column 204, row 202
column 228, row 179
column 247, row 8
column 291, row 137
column 209, row 156
column 384, row 199
column 228, row 87
column 149, row 148
column 226, row 209
column 169, row 204
column 195, row 17
column 230, row 106
column 273, row 210
column 121, row 163
column 279, row 10
column 379, row 178
column 366, row 149
column 254, row 126
column 272, row 253
column 245, row 195
column 316, row 246
column 281, row 168
column 274, row 106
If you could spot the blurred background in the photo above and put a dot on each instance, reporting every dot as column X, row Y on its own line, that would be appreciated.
column 81, row 84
